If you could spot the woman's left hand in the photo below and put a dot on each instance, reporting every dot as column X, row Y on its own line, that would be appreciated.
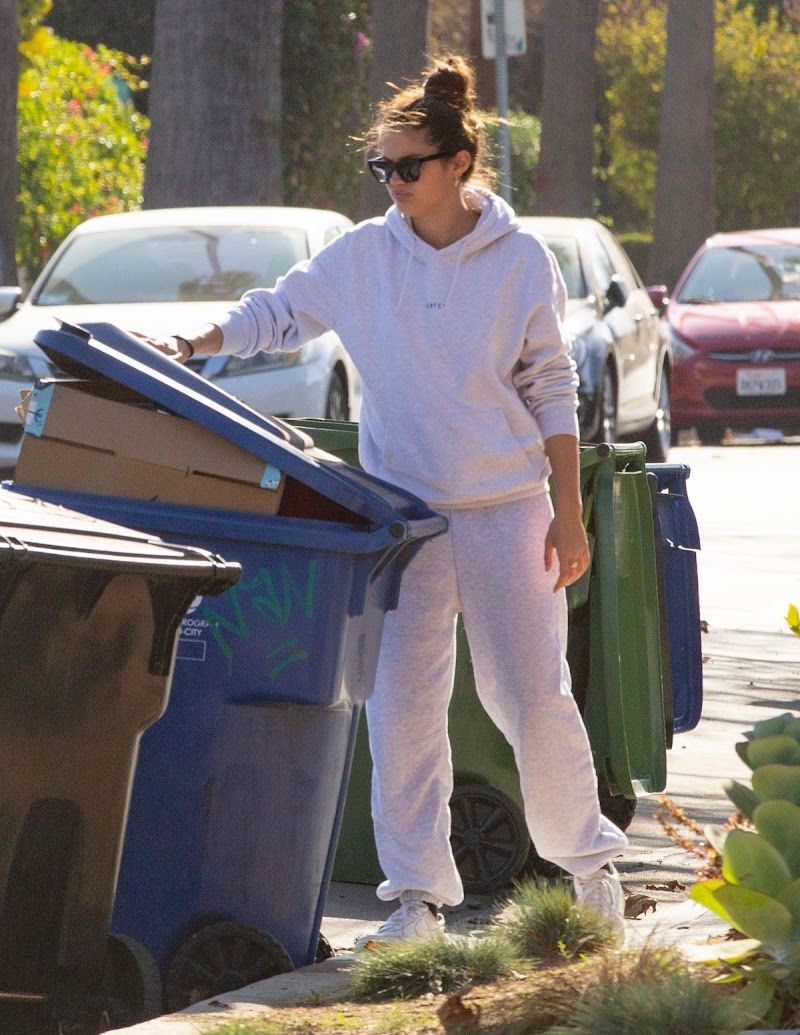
column 566, row 539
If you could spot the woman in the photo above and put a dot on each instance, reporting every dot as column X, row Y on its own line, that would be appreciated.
column 453, row 317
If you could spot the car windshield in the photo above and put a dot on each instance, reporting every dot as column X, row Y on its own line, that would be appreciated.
column 566, row 252
column 170, row 264
column 761, row 273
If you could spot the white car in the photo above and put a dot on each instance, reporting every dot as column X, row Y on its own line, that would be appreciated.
column 164, row 270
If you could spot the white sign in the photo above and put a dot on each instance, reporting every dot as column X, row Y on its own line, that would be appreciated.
column 516, row 37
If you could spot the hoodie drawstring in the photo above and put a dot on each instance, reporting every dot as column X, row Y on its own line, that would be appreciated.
column 399, row 302
column 455, row 272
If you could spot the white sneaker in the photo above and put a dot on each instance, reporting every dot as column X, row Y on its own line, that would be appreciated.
column 414, row 919
column 602, row 891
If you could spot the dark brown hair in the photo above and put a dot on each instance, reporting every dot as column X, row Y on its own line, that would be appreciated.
column 442, row 103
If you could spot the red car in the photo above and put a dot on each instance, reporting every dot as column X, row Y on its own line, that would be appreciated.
column 734, row 320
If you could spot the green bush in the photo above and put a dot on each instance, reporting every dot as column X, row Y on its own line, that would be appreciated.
column 756, row 115
column 81, row 143
column 525, row 133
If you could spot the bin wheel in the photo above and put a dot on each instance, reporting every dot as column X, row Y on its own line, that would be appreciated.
column 324, row 951
column 222, row 957
column 489, row 837
column 618, row 809
column 131, row 986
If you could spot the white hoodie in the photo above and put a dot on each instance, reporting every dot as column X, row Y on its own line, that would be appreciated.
column 462, row 352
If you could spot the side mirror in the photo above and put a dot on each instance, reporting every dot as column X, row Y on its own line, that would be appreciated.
column 616, row 293
column 9, row 299
column 659, row 297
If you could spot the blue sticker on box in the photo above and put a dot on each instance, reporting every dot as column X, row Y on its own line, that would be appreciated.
column 271, row 478
column 38, row 405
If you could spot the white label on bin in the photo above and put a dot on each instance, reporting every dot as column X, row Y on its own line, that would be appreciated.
column 191, row 650
column 192, row 642
column 271, row 478
column 38, row 406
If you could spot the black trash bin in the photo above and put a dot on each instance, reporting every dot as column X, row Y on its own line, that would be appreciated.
column 240, row 787
column 89, row 616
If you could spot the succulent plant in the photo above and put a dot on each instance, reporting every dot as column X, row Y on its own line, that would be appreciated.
column 759, row 893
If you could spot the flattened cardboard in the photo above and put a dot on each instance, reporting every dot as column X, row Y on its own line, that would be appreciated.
column 143, row 432
column 88, row 442
column 75, row 468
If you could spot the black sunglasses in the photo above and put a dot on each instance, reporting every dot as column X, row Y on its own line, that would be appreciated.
column 408, row 169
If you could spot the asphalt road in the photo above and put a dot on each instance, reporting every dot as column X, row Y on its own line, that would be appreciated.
column 746, row 496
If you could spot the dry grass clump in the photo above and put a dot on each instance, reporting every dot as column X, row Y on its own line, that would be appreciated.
column 542, row 921
column 403, row 970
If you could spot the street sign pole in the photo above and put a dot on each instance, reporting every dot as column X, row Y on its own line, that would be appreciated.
column 501, row 83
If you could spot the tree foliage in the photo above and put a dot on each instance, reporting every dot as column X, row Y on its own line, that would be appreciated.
column 325, row 101
column 756, row 115
column 31, row 14
column 81, row 143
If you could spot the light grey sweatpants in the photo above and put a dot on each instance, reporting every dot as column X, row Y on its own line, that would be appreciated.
column 489, row 566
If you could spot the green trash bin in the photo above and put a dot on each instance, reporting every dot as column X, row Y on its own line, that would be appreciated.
column 615, row 654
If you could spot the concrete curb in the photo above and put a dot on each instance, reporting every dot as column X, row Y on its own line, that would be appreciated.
column 319, row 983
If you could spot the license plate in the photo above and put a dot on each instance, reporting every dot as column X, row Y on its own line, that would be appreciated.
column 761, row 381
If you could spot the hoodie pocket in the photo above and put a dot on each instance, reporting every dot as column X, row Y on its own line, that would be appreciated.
column 464, row 455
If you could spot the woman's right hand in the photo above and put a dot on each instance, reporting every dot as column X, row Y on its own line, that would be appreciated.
column 175, row 348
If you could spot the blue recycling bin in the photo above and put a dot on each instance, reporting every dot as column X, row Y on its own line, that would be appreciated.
column 680, row 539
column 240, row 786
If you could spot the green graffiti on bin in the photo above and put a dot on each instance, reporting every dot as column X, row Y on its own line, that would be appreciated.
column 274, row 596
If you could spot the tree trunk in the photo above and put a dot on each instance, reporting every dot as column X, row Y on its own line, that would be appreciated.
column 564, row 176
column 215, row 104
column 9, row 81
column 400, row 39
column 684, row 193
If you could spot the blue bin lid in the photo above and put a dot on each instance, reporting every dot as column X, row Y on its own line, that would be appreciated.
column 104, row 351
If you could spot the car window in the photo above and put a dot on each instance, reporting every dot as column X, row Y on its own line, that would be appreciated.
column 622, row 263
column 186, row 264
column 768, row 273
column 332, row 233
column 568, row 258
column 600, row 266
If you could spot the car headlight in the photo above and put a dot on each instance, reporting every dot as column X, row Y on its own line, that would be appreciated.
column 15, row 367
column 579, row 349
column 681, row 349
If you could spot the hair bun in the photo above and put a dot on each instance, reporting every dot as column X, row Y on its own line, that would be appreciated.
column 450, row 79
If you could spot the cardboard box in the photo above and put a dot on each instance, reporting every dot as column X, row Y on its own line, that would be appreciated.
column 101, row 438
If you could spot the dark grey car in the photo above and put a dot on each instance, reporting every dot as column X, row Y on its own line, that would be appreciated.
column 619, row 342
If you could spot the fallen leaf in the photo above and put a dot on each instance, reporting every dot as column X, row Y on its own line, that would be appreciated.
column 458, row 1016
column 670, row 885
column 638, row 905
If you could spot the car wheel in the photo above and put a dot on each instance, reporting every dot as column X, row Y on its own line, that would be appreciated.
column 658, row 436
column 607, row 405
column 336, row 405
